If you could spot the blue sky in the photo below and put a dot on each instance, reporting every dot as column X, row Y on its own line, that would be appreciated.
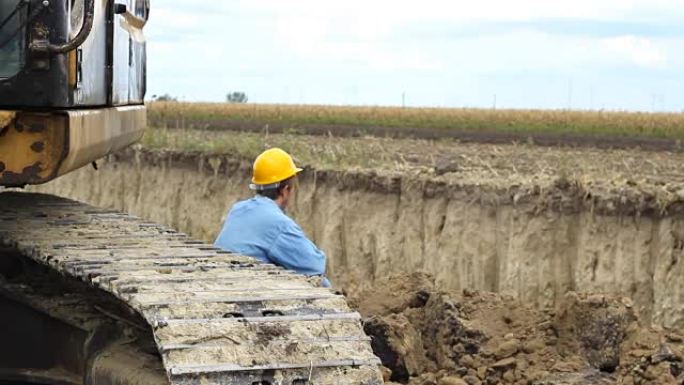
column 582, row 54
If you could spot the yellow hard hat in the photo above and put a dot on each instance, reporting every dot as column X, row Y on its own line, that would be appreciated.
column 271, row 167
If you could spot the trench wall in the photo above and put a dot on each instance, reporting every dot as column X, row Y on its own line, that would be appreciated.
column 372, row 226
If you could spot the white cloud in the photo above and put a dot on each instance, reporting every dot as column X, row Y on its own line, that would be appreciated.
column 470, row 11
column 301, row 34
column 310, row 45
column 360, row 32
column 638, row 50
column 170, row 19
column 314, row 40
column 530, row 51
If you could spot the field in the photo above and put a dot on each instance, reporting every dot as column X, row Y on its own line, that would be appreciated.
column 600, row 153
column 483, row 220
column 655, row 174
column 463, row 123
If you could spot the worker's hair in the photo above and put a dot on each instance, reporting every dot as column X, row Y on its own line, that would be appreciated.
column 275, row 192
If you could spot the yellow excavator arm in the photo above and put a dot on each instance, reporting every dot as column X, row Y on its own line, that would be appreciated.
column 72, row 84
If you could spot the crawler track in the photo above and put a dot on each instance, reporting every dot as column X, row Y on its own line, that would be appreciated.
column 216, row 317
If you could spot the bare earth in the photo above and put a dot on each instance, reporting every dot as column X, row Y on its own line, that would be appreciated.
column 425, row 336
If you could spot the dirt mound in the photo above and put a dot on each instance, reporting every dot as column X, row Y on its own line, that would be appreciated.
column 428, row 337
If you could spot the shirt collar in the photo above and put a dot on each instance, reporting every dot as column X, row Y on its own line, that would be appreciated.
column 260, row 198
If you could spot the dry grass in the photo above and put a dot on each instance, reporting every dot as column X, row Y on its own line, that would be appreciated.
column 199, row 115
column 321, row 151
column 504, row 163
column 603, row 173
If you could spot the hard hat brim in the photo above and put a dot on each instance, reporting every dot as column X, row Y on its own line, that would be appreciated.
column 260, row 187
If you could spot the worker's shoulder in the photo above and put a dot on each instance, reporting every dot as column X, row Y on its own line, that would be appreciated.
column 264, row 209
column 254, row 203
column 274, row 215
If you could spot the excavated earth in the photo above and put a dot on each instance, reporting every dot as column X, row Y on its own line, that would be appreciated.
column 426, row 336
column 520, row 220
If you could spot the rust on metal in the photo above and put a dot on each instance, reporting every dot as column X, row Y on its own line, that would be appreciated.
column 11, row 178
column 37, row 127
column 31, row 156
column 38, row 147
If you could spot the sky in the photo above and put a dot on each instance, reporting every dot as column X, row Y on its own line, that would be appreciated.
column 550, row 54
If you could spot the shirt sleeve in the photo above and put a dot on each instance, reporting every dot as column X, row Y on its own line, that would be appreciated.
column 294, row 251
column 220, row 241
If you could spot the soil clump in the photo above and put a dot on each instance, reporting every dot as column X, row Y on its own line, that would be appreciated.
column 425, row 336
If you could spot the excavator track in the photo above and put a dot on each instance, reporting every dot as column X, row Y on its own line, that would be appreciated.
column 215, row 317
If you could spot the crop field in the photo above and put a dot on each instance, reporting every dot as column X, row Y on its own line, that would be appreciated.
column 642, row 153
column 416, row 122
column 657, row 174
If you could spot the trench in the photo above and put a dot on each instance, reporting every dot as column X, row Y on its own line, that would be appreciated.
column 373, row 226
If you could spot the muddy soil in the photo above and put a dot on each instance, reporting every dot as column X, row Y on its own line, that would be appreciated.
column 425, row 336
column 534, row 223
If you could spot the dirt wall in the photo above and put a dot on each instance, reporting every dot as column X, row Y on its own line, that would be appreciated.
column 371, row 226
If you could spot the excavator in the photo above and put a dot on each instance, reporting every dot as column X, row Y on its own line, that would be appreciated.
column 92, row 296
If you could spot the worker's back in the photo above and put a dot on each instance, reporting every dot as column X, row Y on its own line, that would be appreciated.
column 259, row 228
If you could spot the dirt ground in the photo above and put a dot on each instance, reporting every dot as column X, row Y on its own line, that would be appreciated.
column 425, row 336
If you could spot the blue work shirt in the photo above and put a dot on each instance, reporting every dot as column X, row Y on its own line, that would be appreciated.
column 259, row 228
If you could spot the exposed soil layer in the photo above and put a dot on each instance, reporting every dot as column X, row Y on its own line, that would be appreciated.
column 531, row 222
column 425, row 336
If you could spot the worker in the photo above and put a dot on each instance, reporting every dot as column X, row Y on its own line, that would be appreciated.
column 258, row 227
